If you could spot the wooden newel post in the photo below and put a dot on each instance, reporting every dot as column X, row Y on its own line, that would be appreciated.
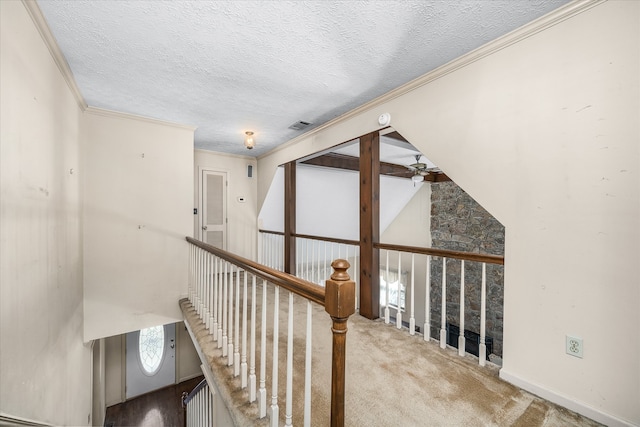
column 340, row 300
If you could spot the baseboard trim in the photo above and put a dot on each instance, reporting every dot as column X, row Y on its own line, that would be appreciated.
column 189, row 377
column 11, row 420
column 565, row 401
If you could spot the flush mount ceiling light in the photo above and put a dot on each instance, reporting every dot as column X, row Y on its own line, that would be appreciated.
column 417, row 178
column 248, row 140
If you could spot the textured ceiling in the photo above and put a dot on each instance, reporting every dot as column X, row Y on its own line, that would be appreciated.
column 231, row 66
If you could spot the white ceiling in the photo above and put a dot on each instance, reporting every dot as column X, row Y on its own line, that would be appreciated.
column 232, row 66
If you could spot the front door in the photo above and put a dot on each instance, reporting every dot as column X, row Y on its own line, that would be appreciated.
column 151, row 359
column 213, row 228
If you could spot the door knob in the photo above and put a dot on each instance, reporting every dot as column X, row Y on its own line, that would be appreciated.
column 204, row 227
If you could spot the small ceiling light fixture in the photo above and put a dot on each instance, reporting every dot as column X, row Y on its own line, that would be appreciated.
column 248, row 140
column 417, row 178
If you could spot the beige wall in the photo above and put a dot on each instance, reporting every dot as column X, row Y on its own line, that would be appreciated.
column 242, row 226
column 137, row 212
column 45, row 368
column 114, row 369
column 543, row 132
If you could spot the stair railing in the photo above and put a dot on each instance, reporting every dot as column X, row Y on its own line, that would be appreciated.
column 198, row 406
column 407, row 267
column 229, row 312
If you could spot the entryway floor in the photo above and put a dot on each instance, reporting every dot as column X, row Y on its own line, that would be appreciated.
column 160, row 408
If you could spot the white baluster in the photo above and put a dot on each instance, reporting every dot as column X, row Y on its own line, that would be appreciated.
column 252, row 350
column 214, row 326
column 207, row 278
column 412, row 317
column 399, row 290
column 224, row 310
column 427, row 301
column 275, row 410
column 196, row 306
column 313, row 261
column 243, row 355
column 262, row 392
column 307, row 368
column 482, row 355
column 190, row 282
column 325, row 264
column 211, row 297
column 201, row 275
column 236, row 338
column 461, row 340
column 289, row 393
column 331, row 258
column 197, row 407
column 356, row 276
column 307, row 273
column 443, row 308
column 230, row 319
column 386, row 288
column 221, row 279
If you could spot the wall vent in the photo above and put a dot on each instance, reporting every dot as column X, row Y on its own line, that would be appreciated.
column 300, row 125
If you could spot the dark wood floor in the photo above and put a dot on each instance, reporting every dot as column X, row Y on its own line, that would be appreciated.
column 160, row 408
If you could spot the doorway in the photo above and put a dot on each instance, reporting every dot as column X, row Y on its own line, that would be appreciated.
column 213, row 208
column 150, row 359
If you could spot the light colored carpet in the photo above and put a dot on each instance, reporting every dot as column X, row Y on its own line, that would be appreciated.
column 392, row 378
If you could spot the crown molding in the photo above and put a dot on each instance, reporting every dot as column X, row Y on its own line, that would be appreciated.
column 118, row 115
column 45, row 32
column 221, row 154
column 544, row 22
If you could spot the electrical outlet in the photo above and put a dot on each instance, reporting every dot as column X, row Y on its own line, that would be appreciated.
column 574, row 346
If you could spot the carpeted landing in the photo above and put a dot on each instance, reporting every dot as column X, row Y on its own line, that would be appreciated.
column 391, row 379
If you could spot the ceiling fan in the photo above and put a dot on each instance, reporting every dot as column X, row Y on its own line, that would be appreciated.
column 421, row 169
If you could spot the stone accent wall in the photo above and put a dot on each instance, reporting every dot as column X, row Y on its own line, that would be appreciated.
column 459, row 223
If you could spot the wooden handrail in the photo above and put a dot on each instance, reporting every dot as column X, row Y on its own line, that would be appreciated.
column 467, row 256
column 311, row 237
column 186, row 397
column 338, row 301
column 279, row 233
column 328, row 239
column 305, row 289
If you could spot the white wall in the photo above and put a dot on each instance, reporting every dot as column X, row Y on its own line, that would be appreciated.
column 242, row 228
column 99, row 408
column 138, row 209
column 45, row 368
column 328, row 204
column 543, row 132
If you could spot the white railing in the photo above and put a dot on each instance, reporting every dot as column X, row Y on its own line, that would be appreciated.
column 406, row 273
column 237, row 301
column 199, row 406
column 407, row 295
column 313, row 256
column 271, row 249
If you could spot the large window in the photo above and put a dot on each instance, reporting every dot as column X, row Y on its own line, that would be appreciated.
column 151, row 348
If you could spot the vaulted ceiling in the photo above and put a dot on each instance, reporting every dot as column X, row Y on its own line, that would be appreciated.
column 228, row 67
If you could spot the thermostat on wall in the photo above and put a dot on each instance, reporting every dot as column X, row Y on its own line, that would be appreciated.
column 241, row 199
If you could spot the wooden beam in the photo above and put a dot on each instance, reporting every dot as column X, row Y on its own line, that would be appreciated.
column 343, row 161
column 290, row 218
column 369, row 225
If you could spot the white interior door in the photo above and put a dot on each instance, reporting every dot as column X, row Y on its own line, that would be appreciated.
column 213, row 207
column 151, row 359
